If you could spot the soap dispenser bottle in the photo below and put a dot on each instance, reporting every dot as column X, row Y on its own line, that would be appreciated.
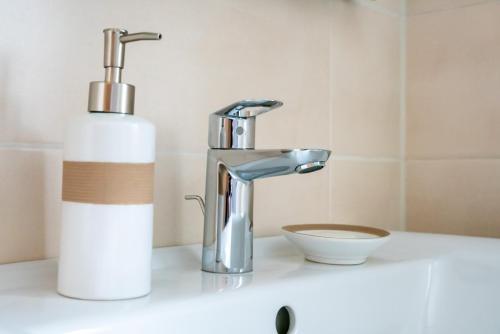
column 107, row 192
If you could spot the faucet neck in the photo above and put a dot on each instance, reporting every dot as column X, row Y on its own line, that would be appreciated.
column 231, row 133
column 228, row 224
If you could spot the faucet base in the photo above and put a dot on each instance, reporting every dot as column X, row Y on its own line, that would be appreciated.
column 210, row 264
column 227, row 272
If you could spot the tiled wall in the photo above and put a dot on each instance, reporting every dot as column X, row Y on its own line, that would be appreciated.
column 335, row 64
column 453, row 117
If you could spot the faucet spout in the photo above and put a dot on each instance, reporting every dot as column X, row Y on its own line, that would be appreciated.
column 228, row 231
column 250, row 165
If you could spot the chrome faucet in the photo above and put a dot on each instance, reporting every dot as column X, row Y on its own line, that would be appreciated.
column 232, row 166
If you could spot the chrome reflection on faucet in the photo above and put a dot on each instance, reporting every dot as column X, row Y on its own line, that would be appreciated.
column 224, row 282
column 232, row 166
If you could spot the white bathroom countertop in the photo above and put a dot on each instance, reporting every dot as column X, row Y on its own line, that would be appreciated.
column 29, row 302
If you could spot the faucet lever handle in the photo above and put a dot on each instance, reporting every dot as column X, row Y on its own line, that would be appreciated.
column 248, row 108
column 233, row 127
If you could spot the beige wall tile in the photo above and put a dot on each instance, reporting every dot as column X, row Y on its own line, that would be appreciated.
column 395, row 6
column 426, row 6
column 452, row 102
column 232, row 51
column 244, row 50
column 213, row 53
column 364, row 81
column 366, row 193
column 454, row 196
column 29, row 204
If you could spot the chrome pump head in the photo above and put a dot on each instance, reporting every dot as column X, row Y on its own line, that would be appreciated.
column 112, row 95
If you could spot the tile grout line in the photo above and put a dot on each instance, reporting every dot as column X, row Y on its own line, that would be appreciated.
column 453, row 159
column 402, row 120
column 59, row 147
column 330, row 112
column 30, row 146
column 365, row 158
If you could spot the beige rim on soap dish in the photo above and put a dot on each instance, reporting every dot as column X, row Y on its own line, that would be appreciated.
column 336, row 249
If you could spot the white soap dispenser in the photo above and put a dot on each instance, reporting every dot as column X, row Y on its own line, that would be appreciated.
column 108, row 170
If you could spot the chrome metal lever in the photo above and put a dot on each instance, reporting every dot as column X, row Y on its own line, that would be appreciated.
column 233, row 127
column 248, row 108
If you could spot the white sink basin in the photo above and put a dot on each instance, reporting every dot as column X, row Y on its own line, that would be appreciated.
column 416, row 283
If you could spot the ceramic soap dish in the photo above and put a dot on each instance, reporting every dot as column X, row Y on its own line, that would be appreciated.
column 336, row 244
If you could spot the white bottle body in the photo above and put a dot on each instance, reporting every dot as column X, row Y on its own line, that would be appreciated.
column 105, row 250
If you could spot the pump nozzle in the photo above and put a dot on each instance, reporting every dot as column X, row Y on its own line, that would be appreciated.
column 140, row 36
column 111, row 95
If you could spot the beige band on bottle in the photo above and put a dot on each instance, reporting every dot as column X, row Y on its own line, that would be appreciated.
column 108, row 183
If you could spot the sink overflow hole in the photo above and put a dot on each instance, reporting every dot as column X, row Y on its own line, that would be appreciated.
column 284, row 320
